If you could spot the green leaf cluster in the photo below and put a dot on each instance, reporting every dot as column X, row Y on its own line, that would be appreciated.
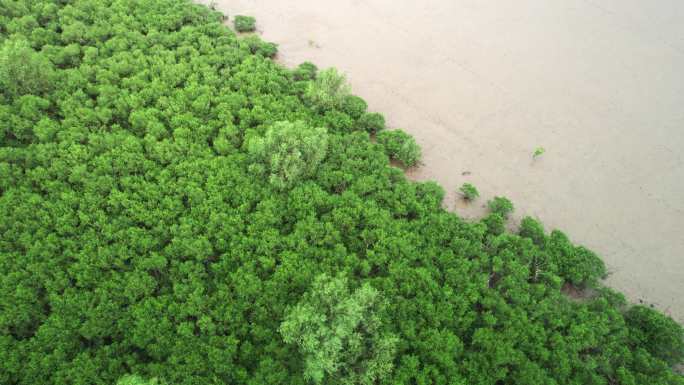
column 400, row 146
column 23, row 70
column 340, row 333
column 288, row 152
column 469, row 191
column 329, row 90
column 244, row 23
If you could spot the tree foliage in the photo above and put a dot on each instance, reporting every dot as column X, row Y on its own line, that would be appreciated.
column 23, row 70
column 501, row 206
column 329, row 90
column 288, row 152
column 400, row 146
column 136, row 380
column 244, row 23
column 655, row 333
column 340, row 333
column 167, row 201
column 371, row 122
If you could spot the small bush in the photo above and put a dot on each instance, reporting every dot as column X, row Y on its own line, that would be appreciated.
column 23, row 70
column 539, row 151
column 371, row 122
column 244, row 23
column 575, row 264
column 305, row 71
column 495, row 223
column 354, row 106
column 328, row 91
column 469, row 192
column 400, row 146
column 501, row 206
column 260, row 47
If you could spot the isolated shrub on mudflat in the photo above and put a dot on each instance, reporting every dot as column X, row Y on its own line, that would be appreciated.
column 244, row 23
column 400, row 146
column 469, row 192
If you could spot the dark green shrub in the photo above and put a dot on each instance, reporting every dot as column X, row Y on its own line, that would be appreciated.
column 659, row 334
column 469, row 192
column 430, row 194
column 244, row 23
column 260, row 47
column 305, row 71
column 371, row 122
column 400, row 146
column 501, row 206
column 354, row 106
column 495, row 223
column 23, row 70
column 575, row 264
column 534, row 230
column 338, row 121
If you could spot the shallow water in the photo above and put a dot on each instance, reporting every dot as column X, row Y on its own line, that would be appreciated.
column 481, row 84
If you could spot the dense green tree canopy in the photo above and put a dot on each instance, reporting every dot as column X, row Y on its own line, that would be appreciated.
column 340, row 334
column 168, row 207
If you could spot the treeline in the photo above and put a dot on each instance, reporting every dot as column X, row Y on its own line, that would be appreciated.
column 176, row 208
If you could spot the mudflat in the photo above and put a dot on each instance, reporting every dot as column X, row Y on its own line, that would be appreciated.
column 481, row 84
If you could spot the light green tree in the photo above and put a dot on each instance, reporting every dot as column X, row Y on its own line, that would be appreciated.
column 23, row 70
column 288, row 152
column 137, row 380
column 340, row 333
column 329, row 90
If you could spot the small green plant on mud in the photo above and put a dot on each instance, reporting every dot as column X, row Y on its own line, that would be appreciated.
column 328, row 90
column 469, row 192
column 501, row 206
column 244, row 23
column 538, row 152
